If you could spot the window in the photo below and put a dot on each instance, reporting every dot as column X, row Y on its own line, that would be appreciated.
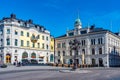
column 58, row 45
column 92, row 41
column 42, row 37
column 33, row 45
column 83, row 32
column 38, row 45
column 58, row 53
column 83, row 51
column 8, row 31
column 52, row 47
column 58, row 61
column 93, row 62
column 70, row 52
column 43, row 46
column 47, row 38
column 93, row 51
column 22, row 34
column 1, row 40
column 46, row 46
column 28, row 34
column 8, row 41
column 100, row 50
column 83, row 42
column 38, row 36
column 28, row 43
column 1, row 32
column 63, row 45
column 100, row 41
column 51, row 58
column 16, row 33
column 16, row 42
column 71, row 34
column 63, row 53
column 76, row 53
column 22, row 43
column 52, row 39
column 15, row 51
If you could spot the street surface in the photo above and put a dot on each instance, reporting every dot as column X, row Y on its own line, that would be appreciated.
column 52, row 73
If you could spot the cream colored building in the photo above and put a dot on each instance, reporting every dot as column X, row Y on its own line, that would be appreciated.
column 21, row 40
column 98, row 46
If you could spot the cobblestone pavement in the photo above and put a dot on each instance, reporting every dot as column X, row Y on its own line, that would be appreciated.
column 52, row 73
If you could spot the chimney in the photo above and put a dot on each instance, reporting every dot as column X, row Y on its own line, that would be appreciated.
column 13, row 16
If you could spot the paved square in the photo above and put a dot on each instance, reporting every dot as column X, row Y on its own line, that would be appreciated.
column 52, row 73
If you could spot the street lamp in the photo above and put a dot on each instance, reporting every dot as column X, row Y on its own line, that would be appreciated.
column 74, row 45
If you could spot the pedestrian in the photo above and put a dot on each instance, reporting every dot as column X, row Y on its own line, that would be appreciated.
column 16, row 63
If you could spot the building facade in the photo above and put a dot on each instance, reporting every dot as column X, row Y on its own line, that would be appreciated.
column 22, row 40
column 97, row 46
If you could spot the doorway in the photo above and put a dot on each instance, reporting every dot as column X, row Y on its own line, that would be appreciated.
column 100, row 62
column 8, row 58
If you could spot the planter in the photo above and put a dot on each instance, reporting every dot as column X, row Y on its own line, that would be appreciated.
column 66, row 65
column 60, row 65
column 71, row 65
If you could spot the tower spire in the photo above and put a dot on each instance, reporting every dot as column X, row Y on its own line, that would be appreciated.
column 78, row 15
column 78, row 23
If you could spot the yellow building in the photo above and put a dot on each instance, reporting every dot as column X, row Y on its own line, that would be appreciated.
column 25, row 41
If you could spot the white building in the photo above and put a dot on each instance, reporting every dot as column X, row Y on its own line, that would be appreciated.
column 24, row 40
column 98, row 46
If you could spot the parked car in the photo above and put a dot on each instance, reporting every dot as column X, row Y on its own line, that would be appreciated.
column 3, row 65
column 25, row 62
column 33, row 61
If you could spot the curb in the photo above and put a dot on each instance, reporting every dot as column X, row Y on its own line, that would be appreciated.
column 29, row 70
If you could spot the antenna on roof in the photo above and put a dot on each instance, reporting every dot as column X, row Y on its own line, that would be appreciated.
column 111, row 25
column 119, row 32
column 88, row 25
column 67, row 28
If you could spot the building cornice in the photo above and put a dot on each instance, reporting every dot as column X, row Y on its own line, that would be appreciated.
column 88, row 34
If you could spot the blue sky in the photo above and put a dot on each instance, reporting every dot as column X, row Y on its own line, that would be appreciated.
column 58, row 15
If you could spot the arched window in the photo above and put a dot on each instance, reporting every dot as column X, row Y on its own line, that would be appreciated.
column 93, row 51
column 83, row 51
column 25, row 55
column 33, row 55
column 100, row 50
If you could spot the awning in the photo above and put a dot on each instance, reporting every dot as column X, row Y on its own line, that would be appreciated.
column 41, row 56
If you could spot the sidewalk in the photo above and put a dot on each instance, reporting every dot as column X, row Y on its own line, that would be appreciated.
column 12, row 68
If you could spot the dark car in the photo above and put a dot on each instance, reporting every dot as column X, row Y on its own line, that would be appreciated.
column 25, row 62
column 32, row 61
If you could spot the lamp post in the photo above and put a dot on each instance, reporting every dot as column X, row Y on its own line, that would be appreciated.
column 74, row 45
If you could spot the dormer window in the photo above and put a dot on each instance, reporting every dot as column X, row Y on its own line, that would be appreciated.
column 71, row 34
column 83, row 32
